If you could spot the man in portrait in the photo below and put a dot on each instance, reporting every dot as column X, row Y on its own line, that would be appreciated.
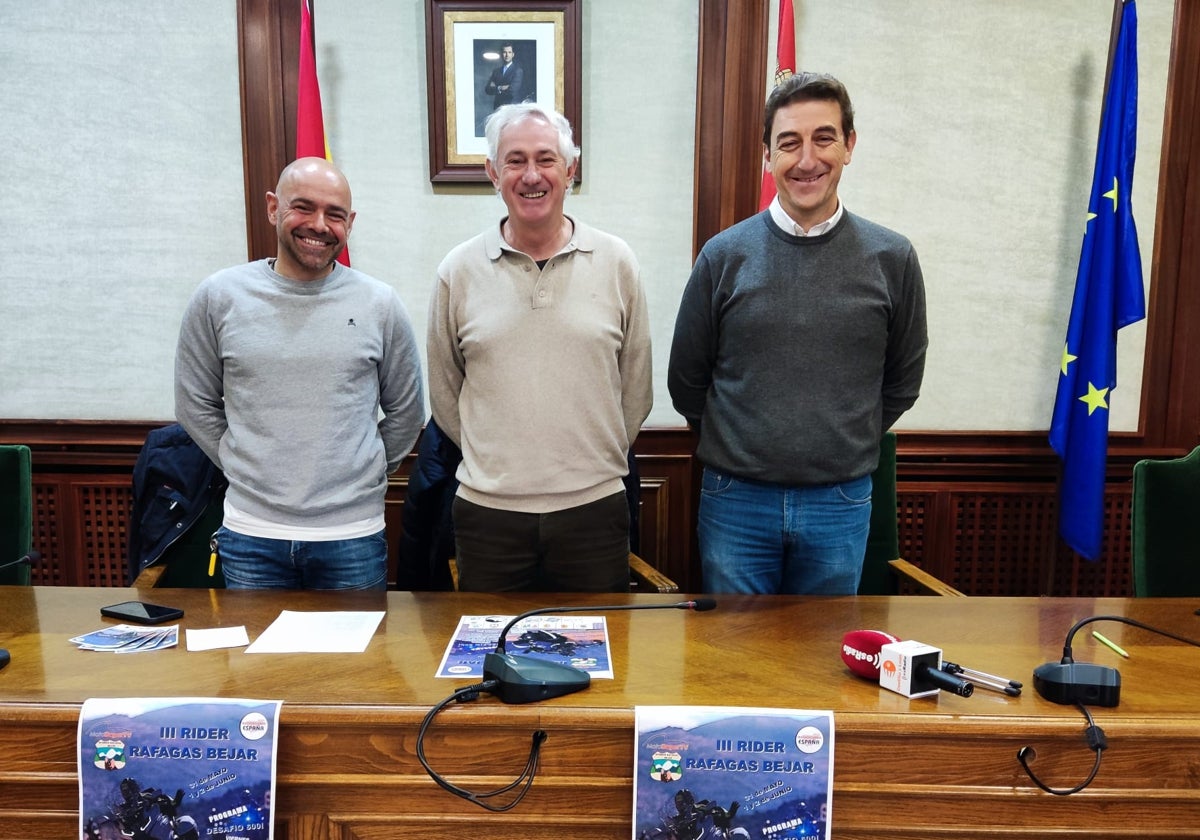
column 507, row 82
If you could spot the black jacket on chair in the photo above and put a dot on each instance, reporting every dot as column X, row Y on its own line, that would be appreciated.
column 428, row 540
column 174, row 483
column 427, row 543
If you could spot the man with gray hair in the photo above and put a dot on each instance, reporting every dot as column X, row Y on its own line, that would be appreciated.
column 539, row 370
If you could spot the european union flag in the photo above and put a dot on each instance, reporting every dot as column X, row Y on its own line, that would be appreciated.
column 1108, row 295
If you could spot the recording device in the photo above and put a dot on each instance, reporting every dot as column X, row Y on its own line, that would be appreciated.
column 524, row 679
column 139, row 612
column 911, row 668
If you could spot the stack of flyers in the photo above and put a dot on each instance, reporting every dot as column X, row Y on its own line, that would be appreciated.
column 129, row 638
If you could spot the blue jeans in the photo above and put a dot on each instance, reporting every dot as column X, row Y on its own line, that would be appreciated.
column 261, row 563
column 758, row 538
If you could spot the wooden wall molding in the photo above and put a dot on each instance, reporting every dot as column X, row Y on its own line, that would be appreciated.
column 977, row 510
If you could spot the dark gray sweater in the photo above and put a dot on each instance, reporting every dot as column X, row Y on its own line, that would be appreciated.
column 792, row 355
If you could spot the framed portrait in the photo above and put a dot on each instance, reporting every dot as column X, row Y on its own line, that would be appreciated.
column 487, row 53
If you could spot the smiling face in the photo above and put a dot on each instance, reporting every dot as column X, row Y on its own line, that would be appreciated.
column 806, row 155
column 530, row 173
column 311, row 212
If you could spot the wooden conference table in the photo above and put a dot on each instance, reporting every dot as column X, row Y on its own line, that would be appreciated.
column 942, row 767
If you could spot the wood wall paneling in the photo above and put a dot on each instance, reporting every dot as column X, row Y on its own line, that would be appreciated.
column 985, row 523
column 1170, row 394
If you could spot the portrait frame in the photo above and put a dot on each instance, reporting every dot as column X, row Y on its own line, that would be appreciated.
column 462, row 46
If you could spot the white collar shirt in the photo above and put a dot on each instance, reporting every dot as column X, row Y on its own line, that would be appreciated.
column 788, row 225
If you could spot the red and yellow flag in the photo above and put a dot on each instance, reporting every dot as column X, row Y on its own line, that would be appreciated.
column 310, row 125
column 785, row 65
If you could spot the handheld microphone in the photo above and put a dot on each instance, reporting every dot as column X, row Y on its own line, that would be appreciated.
column 523, row 679
column 905, row 667
column 28, row 560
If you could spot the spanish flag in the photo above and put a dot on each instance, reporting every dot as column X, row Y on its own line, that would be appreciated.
column 310, row 125
column 785, row 65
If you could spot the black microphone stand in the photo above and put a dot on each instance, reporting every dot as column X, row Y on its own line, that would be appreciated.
column 28, row 560
column 524, row 679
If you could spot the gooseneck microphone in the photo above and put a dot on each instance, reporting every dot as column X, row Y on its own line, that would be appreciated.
column 524, row 679
column 28, row 560
column 1067, row 681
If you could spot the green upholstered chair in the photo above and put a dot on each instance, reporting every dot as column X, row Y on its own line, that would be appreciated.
column 16, row 512
column 883, row 568
column 1166, row 527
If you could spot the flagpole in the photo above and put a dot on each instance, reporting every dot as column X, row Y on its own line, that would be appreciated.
column 1113, row 32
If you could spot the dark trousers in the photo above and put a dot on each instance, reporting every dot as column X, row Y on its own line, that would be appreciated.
column 580, row 549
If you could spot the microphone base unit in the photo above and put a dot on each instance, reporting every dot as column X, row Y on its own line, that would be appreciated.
column 1068, row 683
column 523, row 679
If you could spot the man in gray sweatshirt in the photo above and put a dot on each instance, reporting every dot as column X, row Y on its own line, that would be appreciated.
column 300, row 378
column 800, row 339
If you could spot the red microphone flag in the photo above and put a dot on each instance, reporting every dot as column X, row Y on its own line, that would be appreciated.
column 310, row 125
column 785, row 65
column 860, row 651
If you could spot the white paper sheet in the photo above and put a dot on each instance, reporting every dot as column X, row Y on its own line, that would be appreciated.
column 216, row 637
column 318, row 632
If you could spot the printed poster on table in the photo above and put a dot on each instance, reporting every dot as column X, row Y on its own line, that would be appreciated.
column 177, row 768
column 732, row 773
column 580, row 641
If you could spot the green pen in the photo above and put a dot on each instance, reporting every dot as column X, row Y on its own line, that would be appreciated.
column 1109, row 644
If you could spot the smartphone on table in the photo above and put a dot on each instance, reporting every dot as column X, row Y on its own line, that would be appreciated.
column 139, row 612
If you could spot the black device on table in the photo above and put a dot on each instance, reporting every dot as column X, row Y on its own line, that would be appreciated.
column 139, row 612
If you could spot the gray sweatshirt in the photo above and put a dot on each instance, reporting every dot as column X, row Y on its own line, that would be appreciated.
column 282, row 384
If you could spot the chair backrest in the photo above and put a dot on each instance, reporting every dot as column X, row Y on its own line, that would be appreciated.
column 1166, row 527
column 178, row 496
column 883, row 541
column 16, row 511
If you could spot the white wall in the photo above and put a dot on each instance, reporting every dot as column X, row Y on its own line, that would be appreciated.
column 122, row 187
column 977, row 123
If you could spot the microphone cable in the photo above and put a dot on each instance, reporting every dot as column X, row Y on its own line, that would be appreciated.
column 464, row 695
column 1096, row 741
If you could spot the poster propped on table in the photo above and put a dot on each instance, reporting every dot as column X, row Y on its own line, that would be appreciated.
column 736, row 773
column 177, row 768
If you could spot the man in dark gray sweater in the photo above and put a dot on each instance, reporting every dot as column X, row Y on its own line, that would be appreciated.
column 800, row 339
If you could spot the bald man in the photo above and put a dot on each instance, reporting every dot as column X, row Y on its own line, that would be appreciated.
column 300, row 378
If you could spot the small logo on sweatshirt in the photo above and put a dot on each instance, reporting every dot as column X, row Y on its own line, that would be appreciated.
column 351, row 323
